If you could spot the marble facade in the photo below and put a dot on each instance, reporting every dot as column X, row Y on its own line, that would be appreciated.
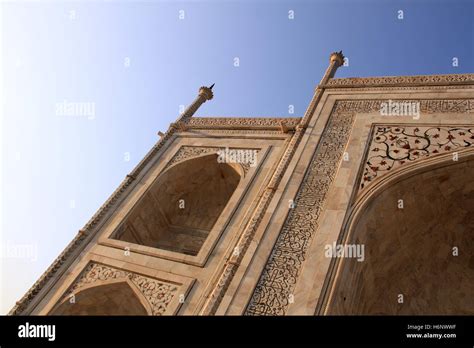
column 253, row 239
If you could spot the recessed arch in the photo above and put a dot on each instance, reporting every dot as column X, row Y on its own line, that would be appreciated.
column 409, row 251
column 113, row 297
column 181, row 207
column 238, row 167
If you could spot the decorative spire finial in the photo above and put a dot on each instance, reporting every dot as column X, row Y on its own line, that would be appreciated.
column 337, row 57
column 206, row 92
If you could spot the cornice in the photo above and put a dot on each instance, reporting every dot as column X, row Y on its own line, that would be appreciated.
column 270, row 123
column 402, row 81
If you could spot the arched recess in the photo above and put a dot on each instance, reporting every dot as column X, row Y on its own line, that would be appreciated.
column 410, row 264
column 179, row 210
column 114, row 297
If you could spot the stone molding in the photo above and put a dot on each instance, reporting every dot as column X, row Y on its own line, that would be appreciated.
column 241, row 122
column 399, row 88
column 237, row 132
column 401, row 80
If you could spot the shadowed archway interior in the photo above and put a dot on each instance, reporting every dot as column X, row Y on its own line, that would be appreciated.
column 109, row 299
column 410, row 251
column 182, row 206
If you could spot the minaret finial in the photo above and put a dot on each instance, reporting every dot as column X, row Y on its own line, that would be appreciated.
column 206, row 92
column 337, row 57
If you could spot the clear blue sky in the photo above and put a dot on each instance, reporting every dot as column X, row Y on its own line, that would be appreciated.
column 58, row 169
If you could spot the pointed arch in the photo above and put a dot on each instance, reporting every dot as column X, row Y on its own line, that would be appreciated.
column 238, row 167
column 111, row 297
column 409, row 251
column 179, row 210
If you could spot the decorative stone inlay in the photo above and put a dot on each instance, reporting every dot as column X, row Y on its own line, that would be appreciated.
column 428, row 106
column 186, row 152
column 209, row 122
column 158, row 293
column 227, row 131
column 401, row 80
column 279, row 277
column 401, row 88
column 393, row 146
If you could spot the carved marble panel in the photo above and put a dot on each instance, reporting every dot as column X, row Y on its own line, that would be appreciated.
column 392, row 146
column 157, row 292
column 274, row 289
column 264, row 122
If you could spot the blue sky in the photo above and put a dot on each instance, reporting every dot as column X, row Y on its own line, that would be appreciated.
column 137, row 62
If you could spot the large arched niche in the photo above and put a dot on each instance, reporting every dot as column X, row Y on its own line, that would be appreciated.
column 109, row 298
column 409, row 251
column 179, row 210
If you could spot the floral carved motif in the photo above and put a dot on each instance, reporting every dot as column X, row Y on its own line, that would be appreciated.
column 158, row 293
column 393, row 146
column 278, row 280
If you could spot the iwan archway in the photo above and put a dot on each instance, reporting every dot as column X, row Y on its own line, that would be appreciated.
column 182, row 206
column 417, row 229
